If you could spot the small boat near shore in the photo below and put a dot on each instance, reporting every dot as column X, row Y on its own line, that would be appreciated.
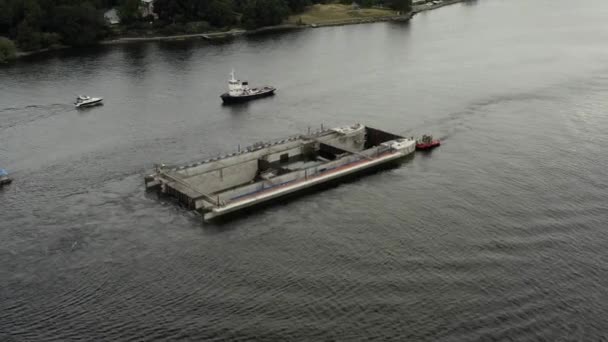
column 239, row 91
column 427, row 143
column 4, row 178
column 87, row 101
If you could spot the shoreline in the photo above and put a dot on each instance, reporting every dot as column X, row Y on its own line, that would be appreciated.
column 354, row 21
column 427, row 7
column 267, row 29
column 21, row 54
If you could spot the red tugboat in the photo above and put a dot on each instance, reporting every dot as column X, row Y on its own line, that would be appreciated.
column 427, row 143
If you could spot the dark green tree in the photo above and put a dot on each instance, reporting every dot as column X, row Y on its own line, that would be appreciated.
column 28, row 38
column 79, row 25
column 32, row 13
column 297, row 5
column 36, row 24
column 258, row 13
column 128, row 11
column 220, row 14
column 7, row 15
column 169, row 11
column 403, row 6
column 367, row 3
column 7, row 50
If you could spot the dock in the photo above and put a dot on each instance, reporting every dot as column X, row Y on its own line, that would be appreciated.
column 267, row 170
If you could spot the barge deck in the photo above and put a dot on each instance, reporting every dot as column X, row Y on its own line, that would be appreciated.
column 265, row 171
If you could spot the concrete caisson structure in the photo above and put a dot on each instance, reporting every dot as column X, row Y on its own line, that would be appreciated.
column 265, row 171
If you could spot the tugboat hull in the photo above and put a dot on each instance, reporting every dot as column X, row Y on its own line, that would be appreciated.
column 428, row 146
column 228, row 99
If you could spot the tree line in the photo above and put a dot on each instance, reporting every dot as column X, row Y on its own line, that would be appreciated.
column 38, row 24
column 248, row 13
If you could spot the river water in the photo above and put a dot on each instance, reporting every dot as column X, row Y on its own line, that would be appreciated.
column 497, row 235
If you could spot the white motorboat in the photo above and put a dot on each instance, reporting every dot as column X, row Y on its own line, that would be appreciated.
column 87, row 101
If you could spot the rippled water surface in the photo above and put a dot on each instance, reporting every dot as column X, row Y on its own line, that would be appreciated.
column 498, row 235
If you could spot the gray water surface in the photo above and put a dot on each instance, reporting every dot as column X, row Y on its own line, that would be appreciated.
column 500, row 234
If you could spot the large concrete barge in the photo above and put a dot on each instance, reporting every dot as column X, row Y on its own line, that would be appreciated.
column 265, row 171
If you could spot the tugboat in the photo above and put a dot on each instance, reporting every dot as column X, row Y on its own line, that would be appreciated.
column 427, row 143
column 87, row 101
column 239, row 91
column 4, row 180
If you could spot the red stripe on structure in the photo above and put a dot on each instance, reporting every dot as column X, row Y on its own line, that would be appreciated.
column 340, row 168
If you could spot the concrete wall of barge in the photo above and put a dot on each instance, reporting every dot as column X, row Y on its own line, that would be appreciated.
column 246, row 154
column 197, row 185
column 237, row 174
column 305, row 174
column 262, row 149
column 350, row 174
column 376, row 137
column 276, row 156
column 182, row 198
column 224, row 177
column 234, row 170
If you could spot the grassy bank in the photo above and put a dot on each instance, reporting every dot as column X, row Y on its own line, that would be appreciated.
column 336, row 13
